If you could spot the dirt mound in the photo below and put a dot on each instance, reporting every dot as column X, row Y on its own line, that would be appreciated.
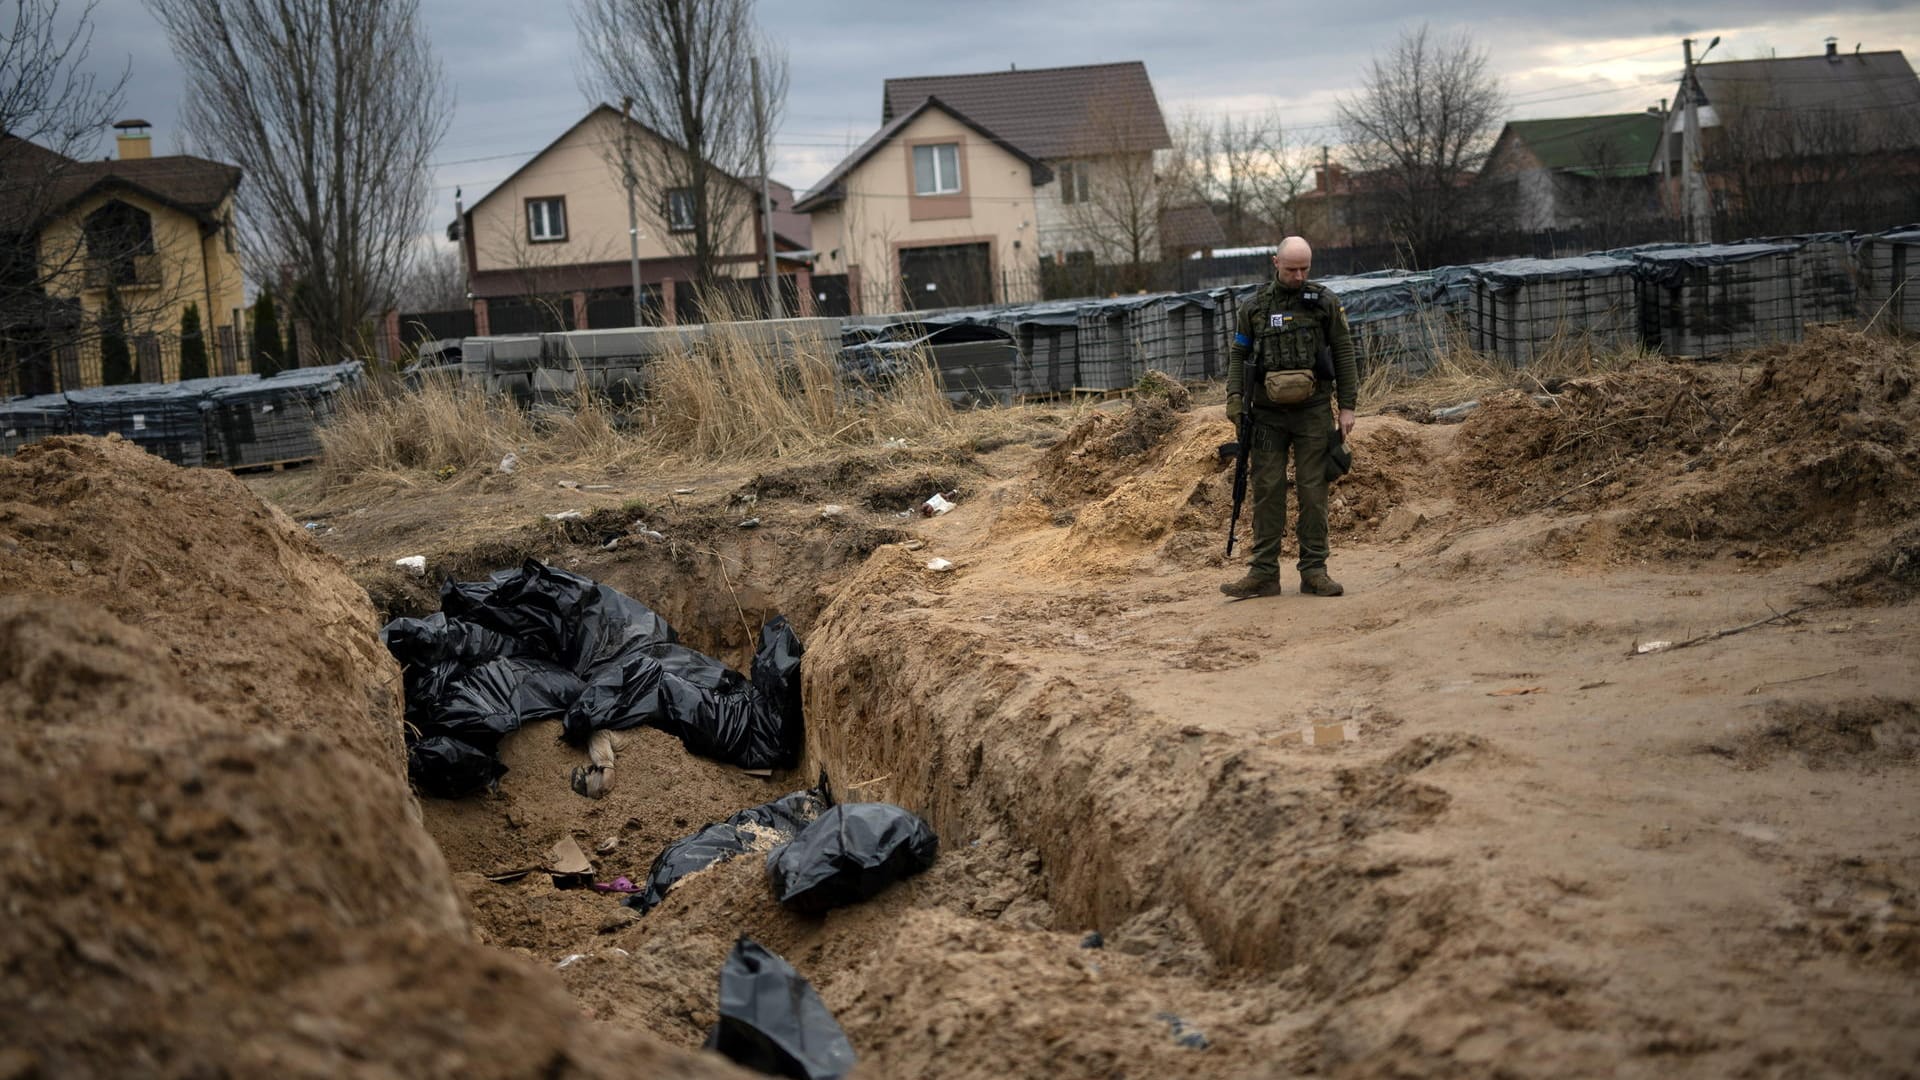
column 264, row 629
column 1102, row 449
column 1819, row 441
column 1854, row 734
column 212, row 863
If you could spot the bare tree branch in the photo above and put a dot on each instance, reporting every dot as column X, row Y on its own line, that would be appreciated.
column 332, row 109
column 685, row 65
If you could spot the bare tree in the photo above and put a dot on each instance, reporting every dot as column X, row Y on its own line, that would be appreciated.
column 1421, row 126
column 435, row 280
column 332, row 109
column 1248, row 169
column 686, row 67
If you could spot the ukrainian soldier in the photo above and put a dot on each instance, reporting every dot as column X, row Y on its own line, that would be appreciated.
column 1295, row 334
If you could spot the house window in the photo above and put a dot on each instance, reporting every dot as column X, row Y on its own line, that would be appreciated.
column 1073, row 183
column 680, row 210
column 547, row 219
column 936, row 169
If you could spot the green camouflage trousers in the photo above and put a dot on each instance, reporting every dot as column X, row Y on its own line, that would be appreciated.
column 1307, row 430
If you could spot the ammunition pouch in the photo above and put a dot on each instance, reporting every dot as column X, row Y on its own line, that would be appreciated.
column 1288, row 387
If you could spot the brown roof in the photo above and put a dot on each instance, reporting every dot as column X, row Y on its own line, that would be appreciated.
column 829, row 190
column 192, row 185
column 1185, row 228
column 1051, row 113
column 1878, row 89
column 788, row 224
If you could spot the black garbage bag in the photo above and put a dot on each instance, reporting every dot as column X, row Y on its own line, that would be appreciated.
column 438, row 639
column 488, row 702
column 722, row 840
column 444, row 767
column 564, row 617
column 849, row 853
column 709, row 707
column 773, row 1021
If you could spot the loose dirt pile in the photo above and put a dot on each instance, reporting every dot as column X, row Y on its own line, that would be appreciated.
column 212, row 864
column 1814, row 442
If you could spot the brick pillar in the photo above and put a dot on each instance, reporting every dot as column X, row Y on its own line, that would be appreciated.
column 853, row 290
column 669, row 313
column 580, row 311
column 393, row 336
column 803, row 286
column 307, row 355
column 480, row 327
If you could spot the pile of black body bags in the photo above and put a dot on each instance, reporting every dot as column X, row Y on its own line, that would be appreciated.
column 539, row 643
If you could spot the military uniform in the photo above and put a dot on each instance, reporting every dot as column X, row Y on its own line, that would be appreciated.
column 1282, row 332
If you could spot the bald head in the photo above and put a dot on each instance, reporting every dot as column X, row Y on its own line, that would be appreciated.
column 1292, row 261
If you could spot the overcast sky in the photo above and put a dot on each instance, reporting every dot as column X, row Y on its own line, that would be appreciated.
column 512, row 64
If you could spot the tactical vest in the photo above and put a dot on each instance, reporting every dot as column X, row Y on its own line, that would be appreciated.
column 1292, row 336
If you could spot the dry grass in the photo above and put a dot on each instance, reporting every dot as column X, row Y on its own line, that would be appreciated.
column 1459, row 373
column 733, row 398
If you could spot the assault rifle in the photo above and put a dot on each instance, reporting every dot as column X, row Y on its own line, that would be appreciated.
column 1249, row 369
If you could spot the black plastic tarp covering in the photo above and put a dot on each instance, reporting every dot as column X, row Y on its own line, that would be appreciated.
column 1501, row 276
column 723, row 840
column 1669, row 265
column 773, row 1021
column 849, row 853
column 710, row 707
column 538, row 643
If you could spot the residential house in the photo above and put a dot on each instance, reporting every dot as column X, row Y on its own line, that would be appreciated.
column 1335, row 212
column 933, row 210
column 548, row 247
column 1575, row 171
column 1189, row 231
column 116, row 248
column 1801, row 142
column 1097, row 127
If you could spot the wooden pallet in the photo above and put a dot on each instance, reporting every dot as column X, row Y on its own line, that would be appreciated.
column 273, row 466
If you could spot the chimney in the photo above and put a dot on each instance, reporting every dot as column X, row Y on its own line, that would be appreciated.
column 134, row 142
column 1833, row 50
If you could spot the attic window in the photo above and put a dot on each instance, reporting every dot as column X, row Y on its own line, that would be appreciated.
column 936, row 169
column 547, row 219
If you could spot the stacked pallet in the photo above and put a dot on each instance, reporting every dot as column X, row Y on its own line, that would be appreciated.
column 1047, row 336
column 1890, row 278
column 25, row 420
column 1524, row 307
column 1103, row 349
column 1713, row 299
column 165, row 419
column 252, row 422
column 1176, row 334
column 1394, row 319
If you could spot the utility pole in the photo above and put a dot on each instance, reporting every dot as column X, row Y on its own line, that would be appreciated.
column 766, row 192
column 1693, row 180
column 633, row 207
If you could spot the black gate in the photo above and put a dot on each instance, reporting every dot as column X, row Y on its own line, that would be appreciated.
column 952, row 275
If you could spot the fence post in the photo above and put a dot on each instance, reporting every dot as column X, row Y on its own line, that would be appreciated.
column 669, row 308
column 394, row 346
column 579, row 310
column 803, row 289
column 481, row 325
column 853, row 291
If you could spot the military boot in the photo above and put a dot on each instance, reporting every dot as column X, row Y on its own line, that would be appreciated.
column 1317, row 583
column 1252, row 585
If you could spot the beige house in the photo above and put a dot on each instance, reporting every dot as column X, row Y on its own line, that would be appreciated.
column 137, row 235
column 933, row 211
column 549, row 245
column 1098, row 128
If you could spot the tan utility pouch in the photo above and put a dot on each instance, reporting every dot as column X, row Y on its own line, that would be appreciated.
column 1289, row 387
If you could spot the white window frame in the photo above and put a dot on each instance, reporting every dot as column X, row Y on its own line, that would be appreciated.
column 679, row 199
column 1073, row 183
column 543, row 215
column 942, row 184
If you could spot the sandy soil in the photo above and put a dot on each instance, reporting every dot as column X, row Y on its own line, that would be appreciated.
column 1455, row 822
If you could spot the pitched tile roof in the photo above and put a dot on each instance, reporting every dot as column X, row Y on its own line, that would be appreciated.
column 1878, row 89
column 189, row 184
column 1619, row 144
column 829, row 188
column 1185, row 228
column 1051, row 113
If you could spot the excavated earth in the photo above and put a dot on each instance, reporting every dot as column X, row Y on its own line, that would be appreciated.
column 1472, row 818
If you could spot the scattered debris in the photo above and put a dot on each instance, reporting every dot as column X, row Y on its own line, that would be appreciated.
column 565, row 515
column 617, row 885
column 1664, row 646
column 684, row 491
column 832, row 510
column 939, row 565
column 750, row 523
column 570, row 867
column 412, row 564
column 1183, row 1034
column 1454, row 413
column 569, row 960
column 606, row 845
column 509, row 463
column 937, row 504
column 1093, row 940
column 1848, row 670
column 1651, row 647
column 570, row 485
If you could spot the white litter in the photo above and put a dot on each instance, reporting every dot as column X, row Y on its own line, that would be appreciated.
column 1652, row 646
column 832, row 510
column 413, row 564
column 569, row 961
column 570, row 484
column 935, row 506
column 509, row 463
column 939, row 565
column 564, row 515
